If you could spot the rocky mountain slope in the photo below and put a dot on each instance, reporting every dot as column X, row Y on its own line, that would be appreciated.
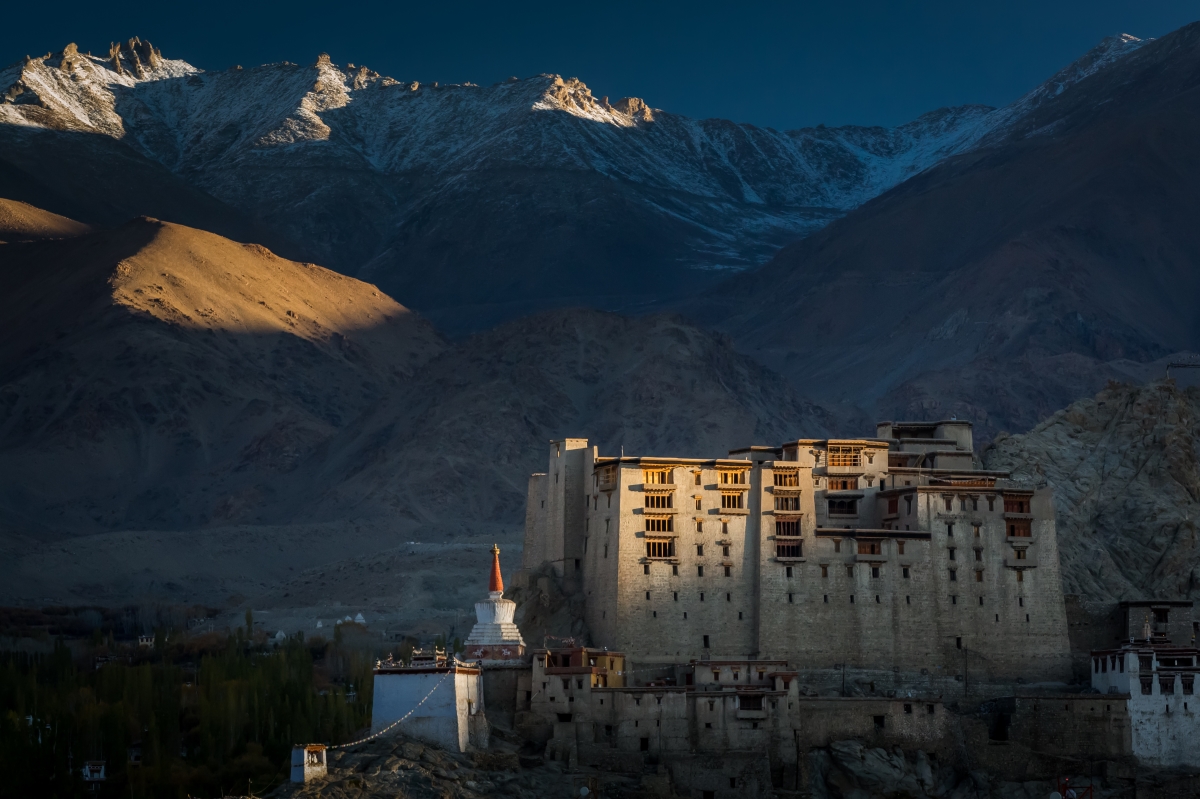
column 1008, row 281
column 22, row 222
column 166, row 392
column 473, row 204
column 480, row 414
column 1125, row 467
column 157, row 376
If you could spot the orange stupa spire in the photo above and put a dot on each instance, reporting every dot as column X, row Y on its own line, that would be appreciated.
column 497, row 582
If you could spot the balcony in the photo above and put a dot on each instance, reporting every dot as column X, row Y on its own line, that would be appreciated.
column 1028, row 562
column 1020, row 540
column 866, row 557
column 846, row 471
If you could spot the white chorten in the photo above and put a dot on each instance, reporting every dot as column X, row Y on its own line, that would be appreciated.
column 494, row 636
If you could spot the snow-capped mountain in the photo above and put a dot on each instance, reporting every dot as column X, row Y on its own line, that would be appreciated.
column 475, row 203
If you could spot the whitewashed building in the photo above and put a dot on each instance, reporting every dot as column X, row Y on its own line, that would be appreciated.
column 1160, row 680
column 308, row 762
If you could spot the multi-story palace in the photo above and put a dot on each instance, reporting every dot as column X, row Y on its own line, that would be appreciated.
column 891, row 553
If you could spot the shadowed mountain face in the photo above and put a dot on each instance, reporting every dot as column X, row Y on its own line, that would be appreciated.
column 1003, row 283
column 1125, row 468
column 460, row 444
column 473, row 204
column 158, row 377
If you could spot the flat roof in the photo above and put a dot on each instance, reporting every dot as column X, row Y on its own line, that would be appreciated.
column 927, row 424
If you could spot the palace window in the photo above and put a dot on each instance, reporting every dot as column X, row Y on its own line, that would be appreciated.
column 660, row 500
column 732, row 499
column 949, row 500
column 789, row 549
column 979, row 554
column 843, row 507
column 725, row 551
column 660, row 547
column 698, row 505
column 899, row 547
column 843, row 483
column 698, row 474
column 1016, row 505
column 1020, row 528
column 787, row 527
column 868, row 547
column 893, row 505
column 787, row 503
column 787, row 479
column 733, row 478
column 699, row 526
column 979, row 577
column 699, row 550
column 660, row 524
column 1020, row 553
column 824, row 570
column 657, row 476
column 845, row 456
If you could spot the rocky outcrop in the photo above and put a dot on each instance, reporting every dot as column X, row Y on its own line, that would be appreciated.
column 634, row 108
column 1125, row 468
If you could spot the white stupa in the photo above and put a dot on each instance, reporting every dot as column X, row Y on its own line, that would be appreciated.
column 494, row 636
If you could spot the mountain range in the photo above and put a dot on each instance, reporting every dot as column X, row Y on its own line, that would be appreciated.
column 1004, row 282
column 175, row 360
column 473, row 204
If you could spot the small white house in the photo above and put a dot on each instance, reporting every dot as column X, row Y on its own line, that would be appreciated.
column 440, row 700
column 308, row 762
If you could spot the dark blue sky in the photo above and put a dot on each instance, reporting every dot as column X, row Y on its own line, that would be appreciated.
column 777, row 64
